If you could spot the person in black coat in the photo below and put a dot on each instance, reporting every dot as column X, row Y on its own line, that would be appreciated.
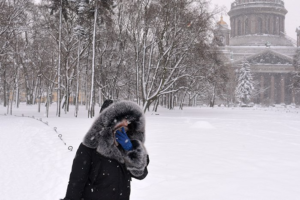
column 112, row 152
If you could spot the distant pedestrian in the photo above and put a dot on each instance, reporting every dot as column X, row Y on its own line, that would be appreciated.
column 112, row 152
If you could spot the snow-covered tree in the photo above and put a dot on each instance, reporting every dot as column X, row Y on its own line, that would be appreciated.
column 14, row 22
column 102, row 10
column 245, row 85
column 61, row 6
column 87, row 51
column 164, row 36
column 217, row 76
column 296, row 75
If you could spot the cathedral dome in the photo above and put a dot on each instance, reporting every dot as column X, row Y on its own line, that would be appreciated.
column 259, row 20
column 222, row 22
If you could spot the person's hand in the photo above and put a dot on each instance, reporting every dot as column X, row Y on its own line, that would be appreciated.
column 123, row 139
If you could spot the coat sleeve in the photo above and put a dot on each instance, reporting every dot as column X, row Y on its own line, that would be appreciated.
column 136, row 160
column 80, row 173
column 145, row 172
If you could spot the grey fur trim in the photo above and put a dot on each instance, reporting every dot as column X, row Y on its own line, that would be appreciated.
column 101, row 136
column 136, row 159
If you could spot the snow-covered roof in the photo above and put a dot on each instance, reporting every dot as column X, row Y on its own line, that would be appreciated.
column 282, row 56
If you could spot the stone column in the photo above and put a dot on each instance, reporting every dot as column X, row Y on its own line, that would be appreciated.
column 280, row 25
column 271, row 31
column 282, row 89
column 262, row 83
column 227, row 38
column 272, row 96
column 231, row 25
column 233, row 28
column 251, row 24
column 236, row 26
column 264, row 24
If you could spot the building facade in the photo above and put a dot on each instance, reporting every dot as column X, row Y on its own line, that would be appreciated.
column 257, row 35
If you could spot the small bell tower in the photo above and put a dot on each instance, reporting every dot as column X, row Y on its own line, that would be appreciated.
column 223, row 32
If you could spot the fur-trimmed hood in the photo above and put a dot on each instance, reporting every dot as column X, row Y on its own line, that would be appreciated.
column 101, row 136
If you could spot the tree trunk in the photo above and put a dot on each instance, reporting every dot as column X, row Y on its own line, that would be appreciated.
column 147, row 105
column 8, row 100
column 77, row 81
column 195, row 100
column 156, row 105
column 48, row 102
column 137, row 80
column 171, row 101
column 100, row 96
column 11, row 102
column 86, row 89
column 4, row 89
column 67, row 98
column 182, row 101
column 17, row 88
column 34, row 92
column 212, row 100
column 82, row 89
column 59, row 63
column 39, row 94
column 66, row 95
column 176, row 100
column 91, row 105
column 39, row 103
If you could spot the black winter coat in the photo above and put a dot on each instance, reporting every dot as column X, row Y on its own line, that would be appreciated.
column 95, row 177
column 103, row 171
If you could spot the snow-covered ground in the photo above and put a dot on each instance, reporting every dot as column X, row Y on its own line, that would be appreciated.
column 198, row 154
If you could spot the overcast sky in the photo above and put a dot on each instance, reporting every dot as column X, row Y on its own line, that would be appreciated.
column 292, row 20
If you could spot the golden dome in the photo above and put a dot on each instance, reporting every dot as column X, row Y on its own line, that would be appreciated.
column 221, row 22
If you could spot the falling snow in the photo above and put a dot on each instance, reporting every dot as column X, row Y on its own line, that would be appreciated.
column 198, row 153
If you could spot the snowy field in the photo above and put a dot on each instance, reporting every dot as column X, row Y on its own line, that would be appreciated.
column 198, row 154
